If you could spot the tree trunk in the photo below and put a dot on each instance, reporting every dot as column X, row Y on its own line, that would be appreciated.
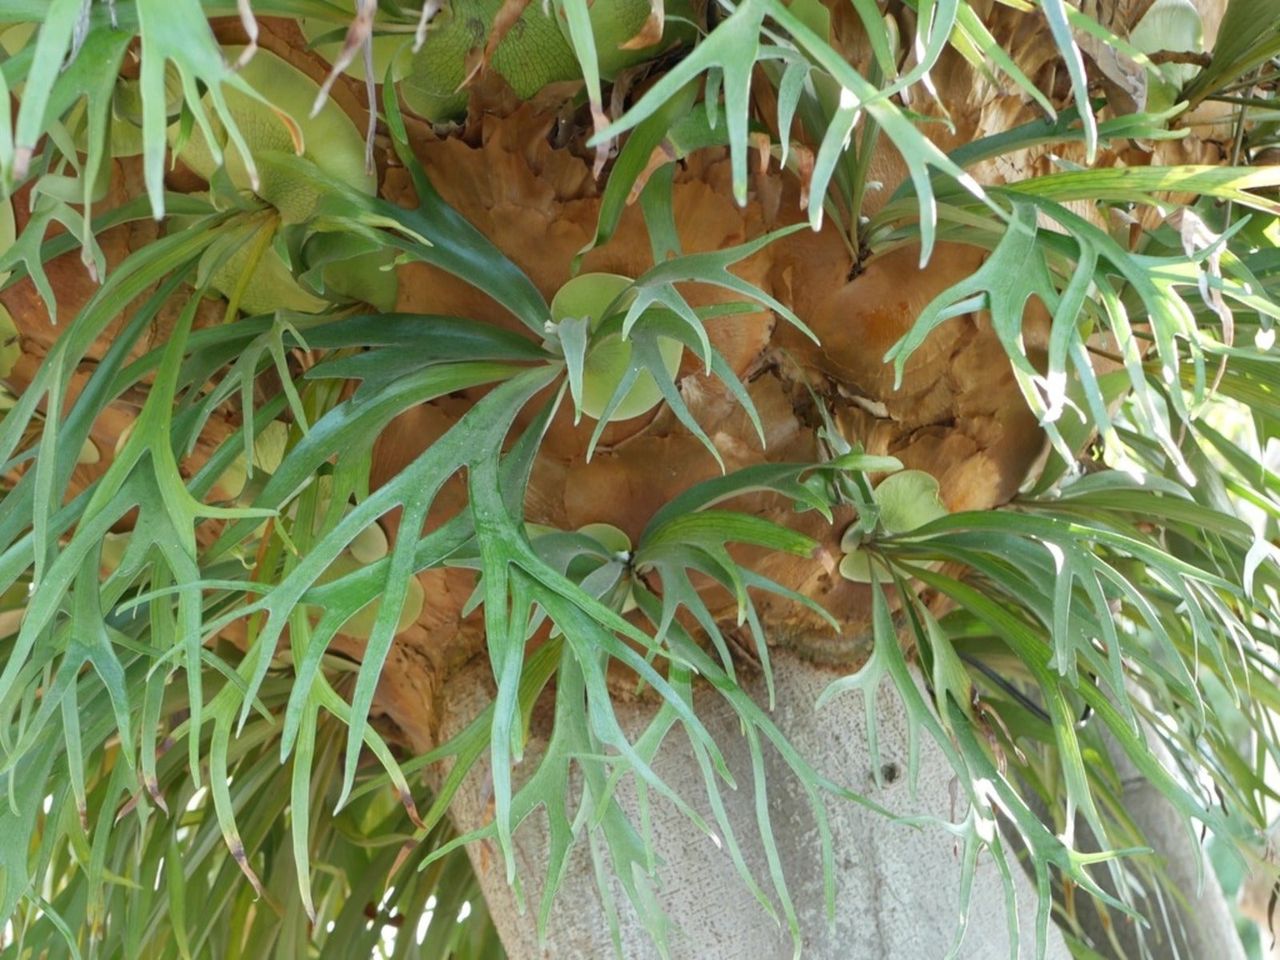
column 1202, row 926
column 897, row 887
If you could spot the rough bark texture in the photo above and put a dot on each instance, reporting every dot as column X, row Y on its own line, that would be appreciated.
column 897, row 887
column 1204, row 927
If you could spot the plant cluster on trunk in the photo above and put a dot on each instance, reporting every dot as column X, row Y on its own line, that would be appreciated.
column 678, row 478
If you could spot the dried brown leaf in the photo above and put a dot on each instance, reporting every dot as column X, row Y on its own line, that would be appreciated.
column 804, row 160
column 479, row 58
column 662, row 154
column 359, row 37
column 762, row 142
column 605, row 149
column 650, row 31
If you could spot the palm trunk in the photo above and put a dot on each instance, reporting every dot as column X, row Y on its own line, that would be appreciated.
column 897, row 887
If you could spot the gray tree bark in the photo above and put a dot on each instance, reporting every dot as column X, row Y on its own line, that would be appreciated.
column 897, row 887
column 1201, row 925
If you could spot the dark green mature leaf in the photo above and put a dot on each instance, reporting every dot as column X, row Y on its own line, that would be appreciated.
column 449, row 241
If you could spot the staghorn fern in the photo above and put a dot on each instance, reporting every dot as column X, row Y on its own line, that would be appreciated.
column 1138, row 581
